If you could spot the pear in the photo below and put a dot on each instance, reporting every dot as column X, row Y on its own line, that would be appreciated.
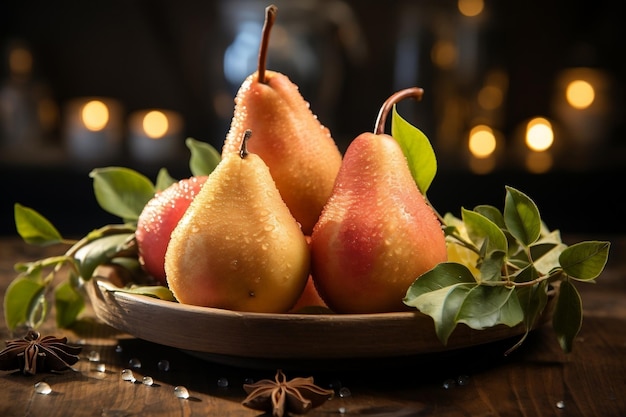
column 377, row 233
column 158, row 219
column 300, row 152
column 237, row 246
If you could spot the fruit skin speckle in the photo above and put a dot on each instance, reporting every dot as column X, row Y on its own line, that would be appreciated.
column 157, row 221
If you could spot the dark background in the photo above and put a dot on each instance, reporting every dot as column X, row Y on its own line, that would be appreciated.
column 168, row 54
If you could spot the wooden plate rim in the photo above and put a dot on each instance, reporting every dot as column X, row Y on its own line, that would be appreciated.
column 218, row 332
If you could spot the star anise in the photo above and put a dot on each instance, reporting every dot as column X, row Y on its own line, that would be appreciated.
column 298, row 395
column 34, row 353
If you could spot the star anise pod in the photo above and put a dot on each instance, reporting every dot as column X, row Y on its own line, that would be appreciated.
column 298, row 395
column 34, row 353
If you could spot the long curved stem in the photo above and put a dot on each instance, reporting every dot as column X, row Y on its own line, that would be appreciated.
column 270, row 17
column 415, row 92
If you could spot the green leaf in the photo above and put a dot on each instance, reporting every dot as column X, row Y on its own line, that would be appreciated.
column 122, row 192
column 492, row 213
column 20, row 300
column 34, row 228
column 521, row 216
column 487, row 306
column 68, row 304
column 533, row 298
column 417, row 149
column 101, row 251
column 204, row 157
column 491, row 266
column 546, row 256
column 585, row 260
column 439, row 293
column 442, row 275
column 484, row 232
column 164, row 180
column 568, row 315
column 155, row 291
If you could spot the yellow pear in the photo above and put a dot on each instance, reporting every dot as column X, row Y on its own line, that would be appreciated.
column 377, row 234
column 300, row 152
column 237, row 246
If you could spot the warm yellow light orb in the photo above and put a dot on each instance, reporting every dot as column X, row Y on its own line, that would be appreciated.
column 482, row 141
column 580, row 94
column 20, row 61
column 155, row 124
column 539, row 134
column 539, row 162
column 490, row 97
column 444, row 54
column 95, row 115
column 471, row 7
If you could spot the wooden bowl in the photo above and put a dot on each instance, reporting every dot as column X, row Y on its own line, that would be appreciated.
column 272, row 340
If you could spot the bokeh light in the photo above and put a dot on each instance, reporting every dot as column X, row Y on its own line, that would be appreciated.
column 538, row 162
column 482, row 141
column 444, row 54
column 539, row 134
column 155, row 124
column 95, row 115
column 580, row 94
column 470, row 8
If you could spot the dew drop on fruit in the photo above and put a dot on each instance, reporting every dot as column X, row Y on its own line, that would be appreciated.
column 462, row 380
column 234, row 264
column 449, row 383
column 147, row 380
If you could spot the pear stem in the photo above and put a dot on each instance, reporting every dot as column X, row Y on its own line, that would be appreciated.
column 415, row 92
column 243, row 149
column 270, row 17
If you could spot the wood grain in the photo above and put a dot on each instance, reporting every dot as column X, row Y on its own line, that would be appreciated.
column 528, row 383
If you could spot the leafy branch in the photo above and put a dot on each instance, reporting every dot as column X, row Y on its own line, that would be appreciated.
column 120, row 191
column 502, row 265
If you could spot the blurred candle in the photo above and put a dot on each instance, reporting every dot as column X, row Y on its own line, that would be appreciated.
column 93, row 130
column 154, row 135
column 583, row 105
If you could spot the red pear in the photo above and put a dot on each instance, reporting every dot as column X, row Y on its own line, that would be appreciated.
column 377, row 233
column 158, row 219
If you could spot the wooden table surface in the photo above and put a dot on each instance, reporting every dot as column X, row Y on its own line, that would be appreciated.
column 536, row 380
